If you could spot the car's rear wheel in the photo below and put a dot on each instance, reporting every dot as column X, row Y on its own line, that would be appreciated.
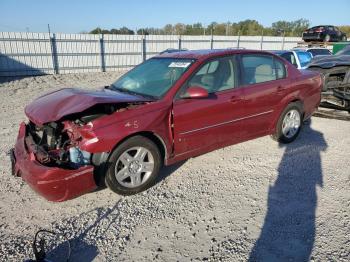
column 133, row 166
column 327, row 38
column 289, row 124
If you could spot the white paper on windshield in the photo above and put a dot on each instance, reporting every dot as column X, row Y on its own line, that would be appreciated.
column 179, row 64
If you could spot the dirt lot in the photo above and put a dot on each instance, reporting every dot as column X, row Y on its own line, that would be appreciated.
column 256, row 200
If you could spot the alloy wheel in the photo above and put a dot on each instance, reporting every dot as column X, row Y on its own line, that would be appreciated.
column 134, row 167
column 291, row 123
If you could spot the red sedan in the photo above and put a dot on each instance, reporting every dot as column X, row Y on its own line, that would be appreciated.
column 169, row 108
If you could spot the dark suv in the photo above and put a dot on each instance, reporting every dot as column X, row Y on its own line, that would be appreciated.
column 324, row 33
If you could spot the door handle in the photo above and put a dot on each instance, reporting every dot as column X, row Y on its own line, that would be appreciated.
column 280, row 89
column 235, row 99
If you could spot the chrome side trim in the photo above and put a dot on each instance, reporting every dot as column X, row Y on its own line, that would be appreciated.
column 225, row 123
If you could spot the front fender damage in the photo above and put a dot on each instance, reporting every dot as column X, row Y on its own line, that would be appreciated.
column 54, row 158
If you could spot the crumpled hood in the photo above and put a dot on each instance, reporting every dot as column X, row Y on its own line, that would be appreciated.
column 329, row 61
column 54, row 106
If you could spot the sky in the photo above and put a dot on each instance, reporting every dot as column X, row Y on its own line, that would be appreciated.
column 74, row 16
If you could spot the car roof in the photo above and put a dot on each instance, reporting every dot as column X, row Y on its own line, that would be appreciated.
column 207, row 53
column 322, row 26
column 279, row 52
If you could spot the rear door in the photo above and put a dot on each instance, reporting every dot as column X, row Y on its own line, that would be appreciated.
column 265, row 84
column 207, row 123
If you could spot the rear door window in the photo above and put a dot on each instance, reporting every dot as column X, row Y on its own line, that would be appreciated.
column 261, row 68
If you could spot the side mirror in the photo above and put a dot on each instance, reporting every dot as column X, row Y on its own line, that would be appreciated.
column 195, row 92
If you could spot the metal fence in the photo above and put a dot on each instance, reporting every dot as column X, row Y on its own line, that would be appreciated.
column 42, row 53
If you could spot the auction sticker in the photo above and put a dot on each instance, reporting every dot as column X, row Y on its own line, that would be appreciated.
column 179, row 64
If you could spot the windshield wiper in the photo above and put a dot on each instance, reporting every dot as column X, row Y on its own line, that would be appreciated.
column 124, row 90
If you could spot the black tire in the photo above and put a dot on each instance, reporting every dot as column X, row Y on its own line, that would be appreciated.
column 136, row 141
column 279, row 136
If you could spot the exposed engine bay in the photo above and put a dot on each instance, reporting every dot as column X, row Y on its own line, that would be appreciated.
column 56, row 144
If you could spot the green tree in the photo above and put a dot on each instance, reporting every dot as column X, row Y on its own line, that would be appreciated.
column 97, row 30
column 299, row 26
column 249, row 27
column 294, row 28
column 179, row 28
column 345, row 29
column 168, row 29
column 126, row 31
column 245, row 27
column 143, row 31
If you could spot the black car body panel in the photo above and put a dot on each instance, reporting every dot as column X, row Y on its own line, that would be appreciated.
column 336, row 73
column 330, row 61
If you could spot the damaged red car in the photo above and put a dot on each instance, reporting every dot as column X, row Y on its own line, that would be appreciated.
column 169, row 108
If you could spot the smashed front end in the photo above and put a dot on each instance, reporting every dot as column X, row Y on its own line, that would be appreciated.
column 336, row 73
column 50, row 161
column 336, row 93
column 49, row 153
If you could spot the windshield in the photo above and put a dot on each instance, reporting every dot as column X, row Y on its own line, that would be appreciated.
column 304, row 58
column 152, row 78
column 319, row 51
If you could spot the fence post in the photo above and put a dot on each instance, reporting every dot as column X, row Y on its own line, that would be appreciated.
column 53, row 46
column 179, row 42
column 283, row 41
column 239, row 38
column 102, row 53
column 262, row 40
column 143, row 48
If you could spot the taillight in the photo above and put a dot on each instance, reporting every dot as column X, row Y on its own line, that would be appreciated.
column 319, row 30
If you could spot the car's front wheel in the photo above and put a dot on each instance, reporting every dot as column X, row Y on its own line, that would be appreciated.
column 289, row 124
column 133, row 166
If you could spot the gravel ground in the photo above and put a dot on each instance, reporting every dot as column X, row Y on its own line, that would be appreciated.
column 257, row 200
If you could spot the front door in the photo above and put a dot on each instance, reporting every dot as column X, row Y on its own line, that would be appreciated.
column 204, row 124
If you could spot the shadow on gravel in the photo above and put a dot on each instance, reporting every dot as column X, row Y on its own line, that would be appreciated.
column 83, row 244
column 168, row 170
column 163, row 174
column 288, row 233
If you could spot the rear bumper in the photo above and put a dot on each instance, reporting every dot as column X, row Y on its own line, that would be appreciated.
column 53, row 183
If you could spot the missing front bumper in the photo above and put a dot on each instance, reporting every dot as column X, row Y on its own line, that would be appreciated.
column 53, row 183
